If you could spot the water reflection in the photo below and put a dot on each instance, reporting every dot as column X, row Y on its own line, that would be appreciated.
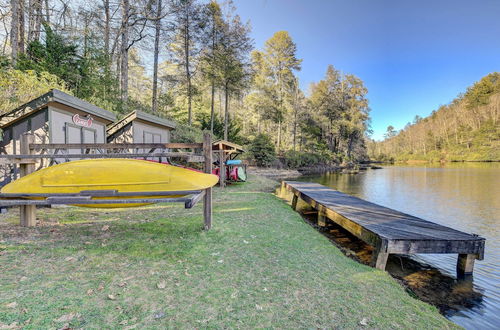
column 465, row 196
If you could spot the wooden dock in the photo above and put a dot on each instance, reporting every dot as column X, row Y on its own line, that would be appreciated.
column 387, row 230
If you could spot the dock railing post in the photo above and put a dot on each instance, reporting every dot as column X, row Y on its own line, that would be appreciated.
column 207, row 200
column 27, row 212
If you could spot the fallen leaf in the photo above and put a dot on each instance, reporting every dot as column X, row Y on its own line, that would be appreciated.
column 24, row 278
column 90, row 292
column 65, row 318
column 111, row 297
column 124, row 322
column 161, row 285
column 104, row 228
column 259, row 307
column 70, row 259
column 220, row 261
column 101, row 287
column 364, row 321
column 159, row 315
column 246, row 242
column 87, row 243
column 122, row 284
column 11, row 305
column 128, row 278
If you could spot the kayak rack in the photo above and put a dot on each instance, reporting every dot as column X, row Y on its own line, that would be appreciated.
column 31, row 155
column 189, row 198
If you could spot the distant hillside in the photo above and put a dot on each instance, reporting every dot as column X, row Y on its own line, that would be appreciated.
column 467, row 129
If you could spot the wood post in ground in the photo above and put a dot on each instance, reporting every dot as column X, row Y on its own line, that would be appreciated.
column 222, row 169
column 380, row 255
column 295, row 199
column 465, row 264
column 321, row 219
column 27, row 212
column 207, row 200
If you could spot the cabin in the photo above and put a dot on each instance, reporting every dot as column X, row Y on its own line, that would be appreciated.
column 140, row 127
column 54, row 117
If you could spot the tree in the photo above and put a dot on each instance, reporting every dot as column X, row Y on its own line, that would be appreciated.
column 390, row 132
column 154, row 106
column 262, row 150
column 279, row 64
column 211, row 41
column 231, row 61
column 188, row 26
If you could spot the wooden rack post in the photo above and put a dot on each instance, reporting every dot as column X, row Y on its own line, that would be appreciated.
column 207, row 202
column 222, row 169
column 27, row 212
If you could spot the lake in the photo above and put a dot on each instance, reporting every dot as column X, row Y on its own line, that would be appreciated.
column 464, row 196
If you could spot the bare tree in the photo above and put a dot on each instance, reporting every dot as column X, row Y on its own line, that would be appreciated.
column 14, row 30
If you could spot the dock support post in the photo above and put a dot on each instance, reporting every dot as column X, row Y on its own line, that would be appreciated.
column 222, row 169
column 27, row 212
column 207, row 200
column 380, row 255
column 295, row 199
column 321, row 219
column 465, row 264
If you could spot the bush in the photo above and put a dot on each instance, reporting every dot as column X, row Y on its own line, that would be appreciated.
column 262, row 150
column 296, row 159
column 186, row 134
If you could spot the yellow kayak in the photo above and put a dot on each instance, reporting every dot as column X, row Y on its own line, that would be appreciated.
column 121, row 175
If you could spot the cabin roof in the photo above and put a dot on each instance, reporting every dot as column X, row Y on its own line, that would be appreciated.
column 57, row 96
column 227, row 146
column 143, row 116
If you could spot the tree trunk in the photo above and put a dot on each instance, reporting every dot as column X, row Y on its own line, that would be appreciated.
column 124, row 54
column 47, row 12
column 226, row 112
column 212, row 110
column 279, row 137
column 21, row 40
column 187, row 40
column 107, row 18
column 156, row 52
column 14, row 30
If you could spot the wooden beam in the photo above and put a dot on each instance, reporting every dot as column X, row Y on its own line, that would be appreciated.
column 222, row 169
column 189, row 155
column 42, row 146
column 207, row 201
column 27, row 212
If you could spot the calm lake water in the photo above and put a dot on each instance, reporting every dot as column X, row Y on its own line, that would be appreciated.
column 463, row 196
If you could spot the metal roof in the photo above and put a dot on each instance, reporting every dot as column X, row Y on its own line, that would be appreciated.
column 58, row 96
column 113, row 128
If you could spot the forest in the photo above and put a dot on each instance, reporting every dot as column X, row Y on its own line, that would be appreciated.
column 466, row 129
column 191, row 61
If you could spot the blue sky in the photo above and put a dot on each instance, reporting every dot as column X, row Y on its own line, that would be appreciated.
column 412, row 55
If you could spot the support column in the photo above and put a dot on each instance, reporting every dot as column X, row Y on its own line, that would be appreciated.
column 322, row 219
column 380, row 255
column 295, row 199
column 207, row 199
column 222, row 169
column 27, row 212
column 465, row 264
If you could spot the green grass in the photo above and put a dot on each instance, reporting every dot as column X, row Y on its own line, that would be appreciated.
column 260, row 266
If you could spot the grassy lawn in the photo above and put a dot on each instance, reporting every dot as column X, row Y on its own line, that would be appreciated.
column 260, row 266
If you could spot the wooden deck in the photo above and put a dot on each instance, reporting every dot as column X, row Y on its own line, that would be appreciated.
column 387, row 230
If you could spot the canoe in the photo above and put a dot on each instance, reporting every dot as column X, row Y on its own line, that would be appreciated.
column 122, row 175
